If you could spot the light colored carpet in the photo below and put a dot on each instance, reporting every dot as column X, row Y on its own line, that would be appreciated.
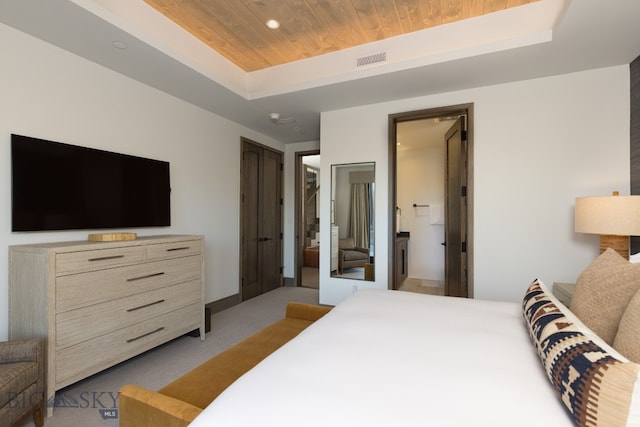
column 158, row 367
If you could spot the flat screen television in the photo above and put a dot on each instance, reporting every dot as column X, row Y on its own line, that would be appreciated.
column 56, row 186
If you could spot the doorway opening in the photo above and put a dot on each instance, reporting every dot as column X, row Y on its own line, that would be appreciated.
column 307, row 219
column 431, row 193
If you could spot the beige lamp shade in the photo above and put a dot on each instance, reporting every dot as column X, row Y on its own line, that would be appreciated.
column 617, row 215
column 615, row 218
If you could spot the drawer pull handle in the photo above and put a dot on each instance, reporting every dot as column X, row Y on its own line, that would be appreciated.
column 129, row 310
column 144, row 335
column 105, row 258
column 182, row 248
column 133, row 279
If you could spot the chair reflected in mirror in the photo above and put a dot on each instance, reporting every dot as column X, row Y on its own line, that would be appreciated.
column 351, row 256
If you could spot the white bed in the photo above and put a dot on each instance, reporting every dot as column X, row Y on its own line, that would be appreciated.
column 390, row 358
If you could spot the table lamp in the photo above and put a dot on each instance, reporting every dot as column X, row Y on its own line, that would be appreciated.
column 614, row 218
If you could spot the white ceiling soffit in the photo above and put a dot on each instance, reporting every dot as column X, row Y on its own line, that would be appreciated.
column 515, row 27
column 143, row 22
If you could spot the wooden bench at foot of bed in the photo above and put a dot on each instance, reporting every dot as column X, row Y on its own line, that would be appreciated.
column 178, row 403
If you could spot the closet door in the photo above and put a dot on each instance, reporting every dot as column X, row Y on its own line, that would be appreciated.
column 261, row 251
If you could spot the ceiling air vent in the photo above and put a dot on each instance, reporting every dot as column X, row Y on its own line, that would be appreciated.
column 371, row 59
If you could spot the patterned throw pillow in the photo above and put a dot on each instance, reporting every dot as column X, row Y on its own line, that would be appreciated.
column 603, row 291
column 595, row 383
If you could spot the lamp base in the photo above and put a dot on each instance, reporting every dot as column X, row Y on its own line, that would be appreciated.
column 618, row 243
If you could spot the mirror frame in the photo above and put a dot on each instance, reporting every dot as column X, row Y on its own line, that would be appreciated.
column 364, row 174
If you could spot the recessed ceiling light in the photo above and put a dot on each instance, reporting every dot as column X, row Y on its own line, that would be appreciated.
column 273, row 24
column 119, row 45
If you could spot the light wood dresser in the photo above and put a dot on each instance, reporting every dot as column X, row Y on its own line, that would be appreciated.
column 100, row 303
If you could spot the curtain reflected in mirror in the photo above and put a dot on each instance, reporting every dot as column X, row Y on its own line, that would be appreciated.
column 352, row 221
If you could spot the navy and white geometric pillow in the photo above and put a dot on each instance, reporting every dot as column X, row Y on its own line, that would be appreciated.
column 595, row 385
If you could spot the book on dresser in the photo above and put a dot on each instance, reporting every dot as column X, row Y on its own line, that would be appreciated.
column 100, row 303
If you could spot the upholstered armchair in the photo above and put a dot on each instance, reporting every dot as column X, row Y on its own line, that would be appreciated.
column 21, row 382
column 350, row 256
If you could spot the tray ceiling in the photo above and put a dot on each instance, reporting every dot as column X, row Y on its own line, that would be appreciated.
column 538, row 39
column 237, row 29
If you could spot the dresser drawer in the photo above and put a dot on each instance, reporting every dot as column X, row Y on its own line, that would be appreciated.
column 79, row 290
column 84, row 359
column 75, row 326
column 74, row 262
column 173, row 249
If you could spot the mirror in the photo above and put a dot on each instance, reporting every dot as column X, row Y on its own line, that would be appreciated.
column 353, row 221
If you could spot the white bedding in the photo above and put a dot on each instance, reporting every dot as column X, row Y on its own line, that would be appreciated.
column 391, row 358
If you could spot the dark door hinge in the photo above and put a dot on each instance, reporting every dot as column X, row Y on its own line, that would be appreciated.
column 463, row 135
column 463, row 191
column 463, row 247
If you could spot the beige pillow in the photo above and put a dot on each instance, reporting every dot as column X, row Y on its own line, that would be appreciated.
column 603, row 291
column 347, row 243
column 627, row 340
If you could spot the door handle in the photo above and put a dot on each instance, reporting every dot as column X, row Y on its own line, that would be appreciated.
column 444, row 244
column 264, row 239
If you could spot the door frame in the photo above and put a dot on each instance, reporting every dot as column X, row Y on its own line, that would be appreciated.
column 298, row 223
column 430, row 113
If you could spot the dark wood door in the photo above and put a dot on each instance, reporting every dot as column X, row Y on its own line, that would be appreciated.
column 261, row 220
column 455, row 231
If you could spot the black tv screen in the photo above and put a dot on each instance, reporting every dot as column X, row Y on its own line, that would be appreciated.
column 58, row 186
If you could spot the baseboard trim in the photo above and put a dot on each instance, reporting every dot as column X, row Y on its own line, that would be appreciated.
column 228, row 302
column 223, row 304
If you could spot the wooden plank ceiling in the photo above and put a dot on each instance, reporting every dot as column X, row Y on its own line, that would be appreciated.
column 236, row 28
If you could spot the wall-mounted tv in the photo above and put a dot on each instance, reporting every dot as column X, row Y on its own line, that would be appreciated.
column 56, row 186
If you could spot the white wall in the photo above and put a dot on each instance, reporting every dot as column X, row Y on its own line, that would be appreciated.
column 538, row 145
column 420, row 180
column 49, row 93
column 352, row 136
